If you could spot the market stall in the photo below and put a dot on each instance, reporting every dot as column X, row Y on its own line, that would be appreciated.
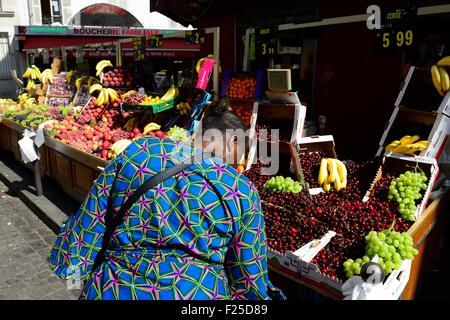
column 326, row 219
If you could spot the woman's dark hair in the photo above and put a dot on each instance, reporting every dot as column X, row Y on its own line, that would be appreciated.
column 221, row 118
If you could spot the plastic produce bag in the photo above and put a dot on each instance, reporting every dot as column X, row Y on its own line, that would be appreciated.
column 356, row 289
column 26, row 145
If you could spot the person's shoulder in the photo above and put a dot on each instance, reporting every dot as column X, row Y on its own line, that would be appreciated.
column 227, row 174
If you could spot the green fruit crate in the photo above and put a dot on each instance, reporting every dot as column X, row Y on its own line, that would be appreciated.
column 154, row 108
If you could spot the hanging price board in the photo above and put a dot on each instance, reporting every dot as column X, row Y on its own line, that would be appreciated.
column 155, row 41
column 139, row 48
column 195, row 36
column 397, row 30
column 266, row 41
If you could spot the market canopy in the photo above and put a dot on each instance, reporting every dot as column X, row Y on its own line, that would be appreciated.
column 104, row 14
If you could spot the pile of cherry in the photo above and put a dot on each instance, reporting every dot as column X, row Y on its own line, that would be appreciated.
column 292, row 220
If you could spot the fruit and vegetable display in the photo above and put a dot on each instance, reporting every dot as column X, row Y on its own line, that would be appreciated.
column 34, row 115
column 294, row 219
column 408, row 145
column 8, row 104
column 440, row 76
column 241, row 88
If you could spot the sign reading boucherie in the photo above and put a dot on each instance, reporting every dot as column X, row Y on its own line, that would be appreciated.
column 87, row 31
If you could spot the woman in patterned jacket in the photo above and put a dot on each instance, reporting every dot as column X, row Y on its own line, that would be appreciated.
column 197, row 235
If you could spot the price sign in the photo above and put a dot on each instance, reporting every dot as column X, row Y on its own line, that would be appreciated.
column 397, row 30
column 195, row 36
column 155, row 41
column 266, row 41
column 139, row 48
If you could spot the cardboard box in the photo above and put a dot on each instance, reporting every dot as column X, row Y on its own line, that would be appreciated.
column 304, row 145
column 397, row 164
column 431, row 126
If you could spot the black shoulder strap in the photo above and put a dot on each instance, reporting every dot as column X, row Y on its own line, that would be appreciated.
column 113, row 221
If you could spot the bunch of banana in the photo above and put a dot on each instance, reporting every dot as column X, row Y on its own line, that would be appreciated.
column 149, row 100
column 92, row 81
column 200, row 62
column 106, row 96
column 95, row 87
column 32, row 73
column 71, row 75
column 81, row 81
column 407, row 145
column 131, row 124
column 151, row 127
column 102, row 65
column 47, row 76
column 170, row 94
column 30, row 85
column 30, row 102
column 440, row 76
column 332, row 171
column 23, row 98
column 118, row 147
column 184, row 108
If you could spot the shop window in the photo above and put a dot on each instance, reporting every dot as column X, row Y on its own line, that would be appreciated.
column 5, row 59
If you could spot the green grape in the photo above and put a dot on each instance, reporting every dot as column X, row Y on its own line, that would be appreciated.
column 281, row 184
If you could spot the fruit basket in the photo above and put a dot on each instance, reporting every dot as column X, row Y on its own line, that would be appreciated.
column 242, row 85
column 430, row 126
column 397, row 164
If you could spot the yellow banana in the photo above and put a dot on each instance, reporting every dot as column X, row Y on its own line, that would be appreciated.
column 95, row 87
column 102, row 65
column 342, row 170
column 170, row 94
column 406, row 149
column 113, row 95
column 199, row 64
column 151, row 127
column 27, row 73
column 101, row 98
column 444, row 62
column 436, row 77
column 337, row 184
column 323, row 171
column 333, row 174
column 326, row 184
column 445, row 80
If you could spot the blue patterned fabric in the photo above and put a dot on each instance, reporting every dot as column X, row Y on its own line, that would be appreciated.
column 178, row 241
